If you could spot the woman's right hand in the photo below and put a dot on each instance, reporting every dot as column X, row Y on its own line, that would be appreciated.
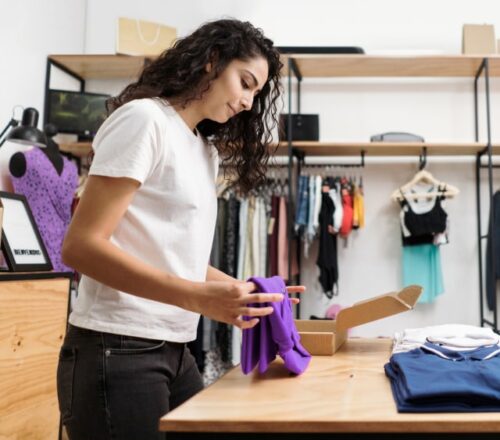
column 228, row 301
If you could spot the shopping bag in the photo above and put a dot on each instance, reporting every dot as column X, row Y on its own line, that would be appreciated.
column 139, row 37
column 478, row 39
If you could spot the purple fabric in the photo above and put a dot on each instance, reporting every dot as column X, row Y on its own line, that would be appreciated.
column 274, row 334
column 49, row 196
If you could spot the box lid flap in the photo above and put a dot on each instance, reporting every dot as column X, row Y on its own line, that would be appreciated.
column 378, row 307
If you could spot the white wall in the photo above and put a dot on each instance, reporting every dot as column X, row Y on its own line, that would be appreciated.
column 29, row 31
column 350, row 109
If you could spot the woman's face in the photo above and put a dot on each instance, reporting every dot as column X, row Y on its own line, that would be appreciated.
column 234, row 89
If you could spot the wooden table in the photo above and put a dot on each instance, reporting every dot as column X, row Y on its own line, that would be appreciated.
column 346, row 395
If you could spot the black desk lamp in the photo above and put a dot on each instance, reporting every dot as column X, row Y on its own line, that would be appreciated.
column 26, row 133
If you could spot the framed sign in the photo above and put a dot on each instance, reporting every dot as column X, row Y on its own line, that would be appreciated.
column 22, row 245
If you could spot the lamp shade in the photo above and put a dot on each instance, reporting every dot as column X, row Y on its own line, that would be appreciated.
column 27, row 133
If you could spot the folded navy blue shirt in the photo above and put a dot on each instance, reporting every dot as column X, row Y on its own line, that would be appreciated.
column 274, row 334
column 434, row 379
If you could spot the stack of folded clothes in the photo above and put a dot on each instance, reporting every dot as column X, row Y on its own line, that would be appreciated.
column 449, row 368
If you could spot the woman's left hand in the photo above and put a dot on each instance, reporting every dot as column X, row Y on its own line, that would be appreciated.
column 295, row 289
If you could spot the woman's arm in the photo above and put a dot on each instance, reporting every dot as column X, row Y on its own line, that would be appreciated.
column 88, row 249
column 214, row 274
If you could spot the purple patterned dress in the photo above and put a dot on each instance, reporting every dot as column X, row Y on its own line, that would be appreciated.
column 49, row 196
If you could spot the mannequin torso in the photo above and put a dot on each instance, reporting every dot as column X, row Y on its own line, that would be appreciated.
column 17, row 164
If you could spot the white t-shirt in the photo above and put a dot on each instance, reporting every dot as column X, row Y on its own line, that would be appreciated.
column 169, row 224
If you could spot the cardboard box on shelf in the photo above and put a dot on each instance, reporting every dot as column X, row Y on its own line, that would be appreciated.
column 324, row 337
column 478, row 39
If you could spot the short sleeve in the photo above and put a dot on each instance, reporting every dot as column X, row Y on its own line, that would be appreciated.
column 214, row 155
column 129, row 142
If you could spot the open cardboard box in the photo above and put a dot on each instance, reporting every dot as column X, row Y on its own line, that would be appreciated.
column 324, row 337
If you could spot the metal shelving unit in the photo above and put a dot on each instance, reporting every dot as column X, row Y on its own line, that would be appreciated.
column 307, row 64
column 321, row 62
column 487, row 152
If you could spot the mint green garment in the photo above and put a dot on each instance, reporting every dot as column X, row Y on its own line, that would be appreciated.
column 422, row 266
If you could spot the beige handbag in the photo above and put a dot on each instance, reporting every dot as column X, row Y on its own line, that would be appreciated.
column 138, row 37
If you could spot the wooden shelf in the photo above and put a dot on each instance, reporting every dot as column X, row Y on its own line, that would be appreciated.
column 348, row 148
column 385, row 148
column 315, row 66
column 101, row 66
column 494, row 65
column 80, row 149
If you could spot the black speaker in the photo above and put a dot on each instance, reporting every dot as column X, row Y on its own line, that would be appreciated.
column 304, row 127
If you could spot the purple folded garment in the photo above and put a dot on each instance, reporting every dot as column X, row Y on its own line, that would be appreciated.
column 275, row 333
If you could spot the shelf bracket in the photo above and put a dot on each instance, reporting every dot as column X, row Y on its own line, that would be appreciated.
column 300, row 155
column 422, row 159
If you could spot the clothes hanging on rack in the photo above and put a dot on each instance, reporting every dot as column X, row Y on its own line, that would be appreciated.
column 338, row 213
column 327, row 207
column 347, row 208
column 493, row 273
column 230, row 243
column 283, row 244
column 242, row 237
column 310, row 231
column 263, row 234
column 302, row 212
column 422, row 266
column 214, row 340
column 423, row 225
column 347, row 197
column 251, row 238
column 327, row 254
column 358, row 215
column 424, row 221
column 272, row 265
column 317, row 202
column 251, row 247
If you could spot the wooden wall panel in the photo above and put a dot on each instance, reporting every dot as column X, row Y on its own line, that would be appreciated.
column 32, row 327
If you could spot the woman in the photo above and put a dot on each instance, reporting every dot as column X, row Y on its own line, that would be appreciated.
column 143, row 229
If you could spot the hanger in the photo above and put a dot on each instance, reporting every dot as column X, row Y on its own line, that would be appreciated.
column 424, row 176
column 224, row 184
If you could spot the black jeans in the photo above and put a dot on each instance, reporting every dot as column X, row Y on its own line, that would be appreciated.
column 117, row 387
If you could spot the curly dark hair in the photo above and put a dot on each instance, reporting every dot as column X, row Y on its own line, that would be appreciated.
column 179, row 75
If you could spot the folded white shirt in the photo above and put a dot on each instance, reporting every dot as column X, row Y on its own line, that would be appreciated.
column 458, row 337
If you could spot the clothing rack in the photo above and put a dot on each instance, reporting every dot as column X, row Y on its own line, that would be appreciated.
column 313, row 66
column 301, row 155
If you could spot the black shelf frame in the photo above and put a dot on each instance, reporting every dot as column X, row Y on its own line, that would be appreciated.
column 296, row 157
column 294, row 152
column 48, row 73
column 489, row 166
